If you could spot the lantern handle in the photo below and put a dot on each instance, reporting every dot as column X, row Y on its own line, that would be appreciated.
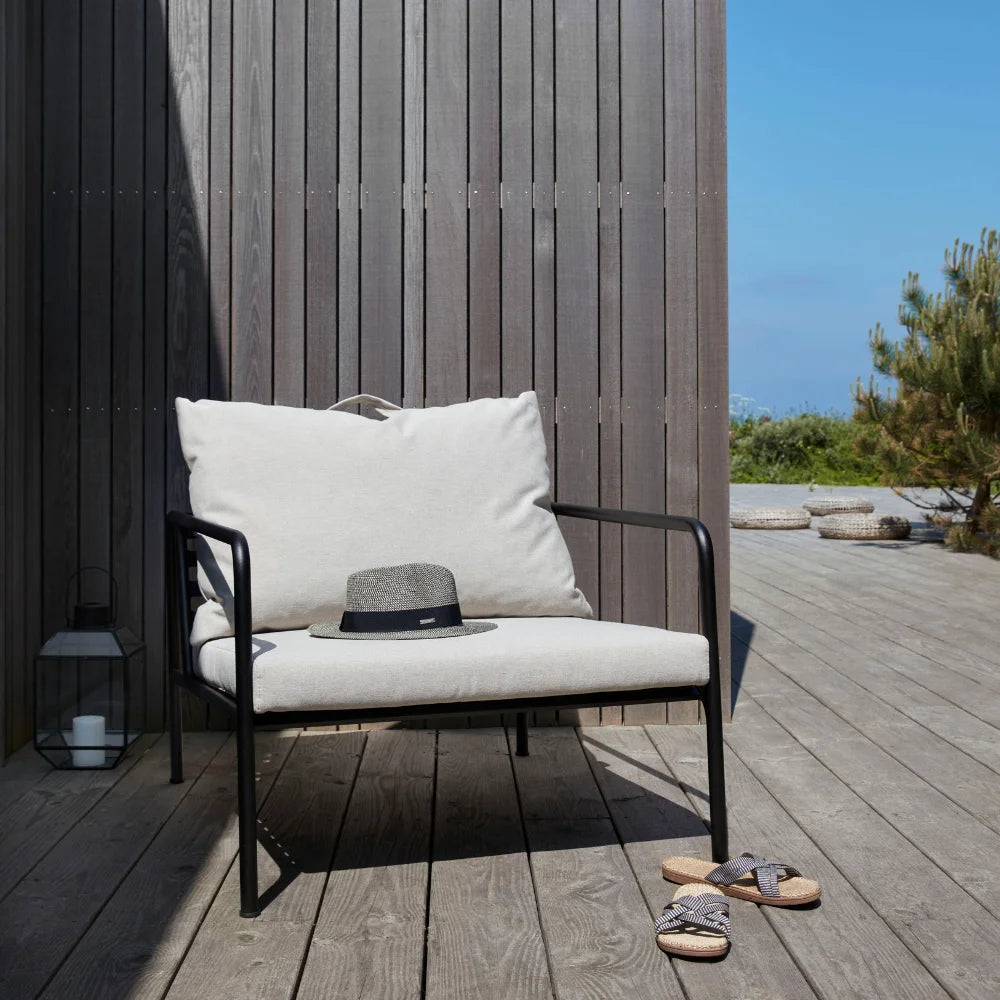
column 114, row 591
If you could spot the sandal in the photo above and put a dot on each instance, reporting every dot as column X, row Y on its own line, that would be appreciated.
column 747, row 877
column 695, row 923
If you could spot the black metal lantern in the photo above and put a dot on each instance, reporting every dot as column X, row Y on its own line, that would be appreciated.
column 89, row 687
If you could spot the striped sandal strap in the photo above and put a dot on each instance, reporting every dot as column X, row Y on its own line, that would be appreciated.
column 765, row 872
column 708, row 912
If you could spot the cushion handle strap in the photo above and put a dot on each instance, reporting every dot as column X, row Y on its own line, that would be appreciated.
column 363, row 399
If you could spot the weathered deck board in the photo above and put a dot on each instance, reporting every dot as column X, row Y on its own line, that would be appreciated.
column 923, row 609
column 53, row 904
column 296, row 835
column 439, row 866
column 653, row 819
column 581, row 876
column 158, row 909
column 483, row 937
column 823, row 940
column 949, row 931
column 369, row 934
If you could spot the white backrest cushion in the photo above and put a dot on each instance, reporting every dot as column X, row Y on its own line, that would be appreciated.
column 320, row 494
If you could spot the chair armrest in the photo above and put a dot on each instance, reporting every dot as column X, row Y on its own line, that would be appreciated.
column 181, row 527
column 706, row 566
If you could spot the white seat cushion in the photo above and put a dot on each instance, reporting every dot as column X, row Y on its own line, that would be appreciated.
column 522, row 657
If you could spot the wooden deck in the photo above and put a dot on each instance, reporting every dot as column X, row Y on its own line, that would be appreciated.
column 420, row 863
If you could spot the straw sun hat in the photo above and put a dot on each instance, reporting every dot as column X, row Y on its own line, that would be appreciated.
column 412, row 601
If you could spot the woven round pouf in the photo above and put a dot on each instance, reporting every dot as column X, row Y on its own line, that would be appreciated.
column 821, row 506
column 864, row 526
column 774, row 518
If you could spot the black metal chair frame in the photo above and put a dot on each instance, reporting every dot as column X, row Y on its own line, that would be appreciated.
column 181, row 588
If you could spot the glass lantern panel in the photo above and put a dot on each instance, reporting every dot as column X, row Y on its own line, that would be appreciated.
column 73, row 643
column 81, row 705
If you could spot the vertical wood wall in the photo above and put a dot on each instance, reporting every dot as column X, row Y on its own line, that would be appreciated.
column 291, row 201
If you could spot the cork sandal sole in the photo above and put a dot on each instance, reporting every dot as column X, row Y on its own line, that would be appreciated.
column 693, row 942
column 795, row 890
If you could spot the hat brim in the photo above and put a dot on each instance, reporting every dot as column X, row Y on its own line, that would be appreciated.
column 329, row 630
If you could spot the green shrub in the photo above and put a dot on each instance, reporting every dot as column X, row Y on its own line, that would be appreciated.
column 804, row 448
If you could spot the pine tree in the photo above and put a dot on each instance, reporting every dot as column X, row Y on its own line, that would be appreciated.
column 942, row 426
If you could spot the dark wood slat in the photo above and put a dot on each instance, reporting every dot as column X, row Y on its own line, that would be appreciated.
column 483, row 933
column 322, row 138
column 6, row 231
column 96, row 161
column 681, row 317
column 349, row 202
column 516, row 236
column 824, row 939
column 414, row 75
column 543, row 262
column 484, row 198
column 654, row 819
column 713, row 301
column 289, row 202
column 20, row 412
column 609, row 316
column 156, row 409
column 127, row 349
column 60, row 291
column 369, row 936
column 188, row 314
column 382, row 198
column 220, row 200
column 581, row 875
column 154, row 914
column 447, row 217
column 644, row 598
column 253, row 180
column 577, row 291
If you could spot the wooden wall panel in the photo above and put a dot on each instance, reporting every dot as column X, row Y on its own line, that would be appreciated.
column 289, row 203
column 96, row 212
column 713, row 302
column 127, row 350
column 158, row 405
column 320, row 292
column 484, row 198
column 681, row 318
column 609, row 314
column 516, row 231
column 61, row 424
column 643, row 303
column 6, row 228
column 349, row 202
column 414, row 76
column 577, row 293
column 296, row 201
column 381, row 198
column 253, row 204
column 446, row 300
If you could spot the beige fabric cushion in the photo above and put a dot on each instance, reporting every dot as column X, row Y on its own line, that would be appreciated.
column 321, row 494
column 522, row 657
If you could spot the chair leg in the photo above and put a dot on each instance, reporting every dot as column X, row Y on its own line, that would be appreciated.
column 716, row 780
column 174, row 723
column 522, row 734
column 247, row 811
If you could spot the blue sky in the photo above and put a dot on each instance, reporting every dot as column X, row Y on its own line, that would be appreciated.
column 864, row 138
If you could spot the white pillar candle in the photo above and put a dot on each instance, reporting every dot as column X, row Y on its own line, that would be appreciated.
column 88, row 731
